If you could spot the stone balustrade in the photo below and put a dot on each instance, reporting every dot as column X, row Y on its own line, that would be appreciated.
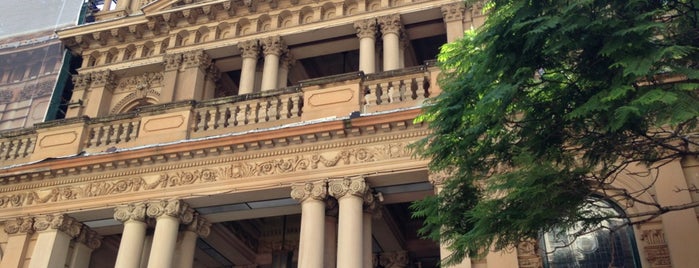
column 321, row 98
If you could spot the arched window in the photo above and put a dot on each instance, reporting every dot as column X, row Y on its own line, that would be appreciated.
column 611, row 245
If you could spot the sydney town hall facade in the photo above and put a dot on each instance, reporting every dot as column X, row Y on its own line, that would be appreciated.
column 255, row 133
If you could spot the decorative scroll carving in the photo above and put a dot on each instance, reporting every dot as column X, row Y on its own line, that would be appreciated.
column 193, row 59
column 314, row 190
column 655, row 246
column 273, row 45
column 350, row 186
column 366, row 28
column 249, row 49
column 527, row 254
column 320, row 160
column 172, row 61
column 173, row 208
column 89, row 238
column 130, row 212
column 61, row 222
column 200, row 225
column 23, row 225
column 390, row 24
column 453, row 12
column 396, row 259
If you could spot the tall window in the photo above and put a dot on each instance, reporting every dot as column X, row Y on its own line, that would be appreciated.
column 612, row 245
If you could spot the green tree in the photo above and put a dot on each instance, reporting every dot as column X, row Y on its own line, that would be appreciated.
column 546, row 104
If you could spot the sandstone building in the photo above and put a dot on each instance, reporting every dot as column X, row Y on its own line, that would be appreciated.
column 271, row 133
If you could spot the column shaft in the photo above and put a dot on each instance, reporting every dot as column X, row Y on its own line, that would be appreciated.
column 366, row 32
column 330, row 260
column 349, row 243
column 312, row 246
column 164, row 240
column 270, row 72
column 391, row 52
column 147, row 245
column 15, row 250
column 51, row 250
column 81, row 256
column 368, row 254
column 185, row 258
column 249, row 53
column 129, row 255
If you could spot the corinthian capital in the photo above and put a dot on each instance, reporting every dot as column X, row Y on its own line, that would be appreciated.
column 453, row 12
column 273, row 45
column 366, row 28
column 20, row 225
column 200, row 225
column 314, row 190
column 89, row 237
column 81, row 81
column 197, row 58
column 249, row 49
column 133, row 212
column 391, row 24
column 350, row 186
column 172, row 61
column 173, row 208
column 105, row 78
column 60, row 222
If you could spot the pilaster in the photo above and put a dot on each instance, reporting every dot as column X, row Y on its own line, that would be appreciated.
column 453, row 15
column 76, row 106
column 191, row 79
column 171, row 66
column 99, row 95
column 19, row 231
column 52, row 244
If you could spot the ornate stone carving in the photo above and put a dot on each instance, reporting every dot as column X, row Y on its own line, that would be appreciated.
column 200, row 225
column 372, row 203
column 141, row 82
column 655, row 247
column 315, row 190
column 23, row 225
column 527, row 254
column 61, row 222
column 249, row 49
column 130, row 212
column 273, row 45
column 390, row 24
column 81, row 81
column 104, row 78
column 287, row 60
column 173, row 208
column 395, row 259
column 89, row 238
column 453, row 12
column 366, row 28
column 197, row 58
column 356, row 186
column 172, row 61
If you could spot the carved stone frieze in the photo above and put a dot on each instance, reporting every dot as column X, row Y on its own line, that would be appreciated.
column 249, row 49
column 141, row 82
column 60, row 222
column 273, row 45
column 366, row 28
column 655, row 247
column 241, row 168
column 453, row 12
column 391, row 24
column 130, row 212
column 23, row 225
column 356, row 186
column 315, row 190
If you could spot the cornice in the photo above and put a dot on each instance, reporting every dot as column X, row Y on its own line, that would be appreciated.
column 227, row 148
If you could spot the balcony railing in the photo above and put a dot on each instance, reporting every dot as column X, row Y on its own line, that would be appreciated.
column 335, row 96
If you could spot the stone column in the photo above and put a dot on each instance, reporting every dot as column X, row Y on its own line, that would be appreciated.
column 99, row 95
column 391, row 28
column 18, row 233
column 191, row 80
column 172, row 64
column 285, row 63
column 199, row 227
column 133, row 217
column 371, row 205
column 273, row 47
column 330, row 259
column 453, row 15
column 147, row 245
column 438, row 180
column 250, row 50
column 350, row 196
column 366, row 31
column 76, row 106
column 311, row 243
column 53, row 241
column 85, row 243
column 107, row 5
column 395, row 259
column 168, row 215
